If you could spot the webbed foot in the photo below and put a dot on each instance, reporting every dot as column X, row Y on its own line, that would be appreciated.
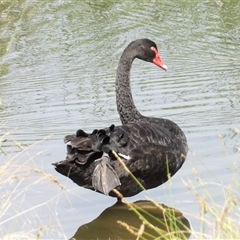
column 105, row 178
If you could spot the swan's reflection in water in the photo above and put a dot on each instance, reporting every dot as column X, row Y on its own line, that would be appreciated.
column 106, row 225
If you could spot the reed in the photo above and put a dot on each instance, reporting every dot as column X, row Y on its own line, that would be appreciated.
column 216, row 221
column 174, row 228
column 19, row 177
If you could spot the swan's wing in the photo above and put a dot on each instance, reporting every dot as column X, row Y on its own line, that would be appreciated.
column 151, row 153
column 140, row 138
column 80, row 148
column 147, row 148
column 69, row 138
column 104, row 178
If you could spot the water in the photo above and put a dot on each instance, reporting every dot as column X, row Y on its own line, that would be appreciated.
column 58, row 65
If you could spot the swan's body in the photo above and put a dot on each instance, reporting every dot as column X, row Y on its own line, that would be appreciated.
column 153, row 149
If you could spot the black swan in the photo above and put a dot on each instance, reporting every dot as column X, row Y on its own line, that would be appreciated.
column 153, row 149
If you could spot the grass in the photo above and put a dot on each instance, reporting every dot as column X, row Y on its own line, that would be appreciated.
column 172, row 226
column 17, row 170
column 20, row 179
column 221, row 221
column 217, row 219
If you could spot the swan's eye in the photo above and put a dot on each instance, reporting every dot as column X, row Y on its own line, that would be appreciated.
column 154, row 50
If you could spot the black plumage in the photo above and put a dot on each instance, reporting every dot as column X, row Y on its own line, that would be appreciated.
column 153, row 149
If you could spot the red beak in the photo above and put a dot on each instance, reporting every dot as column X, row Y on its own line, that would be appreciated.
column 157, row 60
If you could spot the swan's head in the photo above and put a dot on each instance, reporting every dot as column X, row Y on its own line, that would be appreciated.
column 147, row 51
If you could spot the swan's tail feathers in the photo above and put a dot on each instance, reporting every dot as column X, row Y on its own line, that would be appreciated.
column 105, row 179
column 63, row 167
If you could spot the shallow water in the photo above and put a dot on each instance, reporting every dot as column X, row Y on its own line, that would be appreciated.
column 58, row 64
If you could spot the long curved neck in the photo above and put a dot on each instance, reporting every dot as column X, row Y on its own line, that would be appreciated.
column 125, row 105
